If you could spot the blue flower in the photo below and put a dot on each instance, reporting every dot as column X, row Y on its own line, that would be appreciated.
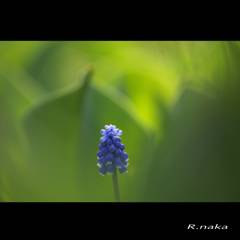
column 111, row 154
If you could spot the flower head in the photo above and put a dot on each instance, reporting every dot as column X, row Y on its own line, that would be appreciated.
column 111, row 154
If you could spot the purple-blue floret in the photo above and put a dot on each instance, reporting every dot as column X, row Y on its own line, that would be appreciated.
column 111, row 154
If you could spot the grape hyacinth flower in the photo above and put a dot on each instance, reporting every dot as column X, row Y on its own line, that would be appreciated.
column 111, row 154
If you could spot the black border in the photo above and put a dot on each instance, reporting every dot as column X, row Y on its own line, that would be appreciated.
column 120, row 21
column 121, row 26
column 121, row 219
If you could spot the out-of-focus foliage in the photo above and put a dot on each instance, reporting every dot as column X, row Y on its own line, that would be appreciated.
column 176, row 102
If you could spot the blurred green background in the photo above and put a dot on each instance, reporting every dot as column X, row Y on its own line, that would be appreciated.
column 178, row 104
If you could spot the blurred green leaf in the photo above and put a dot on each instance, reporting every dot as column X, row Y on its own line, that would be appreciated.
column 18, row 54
column 63, row 134
column 198, row 159
column 177, row 103
column 13, row 162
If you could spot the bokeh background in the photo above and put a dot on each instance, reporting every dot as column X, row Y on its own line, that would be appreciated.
column 178, row 104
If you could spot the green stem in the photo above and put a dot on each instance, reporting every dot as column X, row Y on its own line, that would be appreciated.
column 116, row 186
